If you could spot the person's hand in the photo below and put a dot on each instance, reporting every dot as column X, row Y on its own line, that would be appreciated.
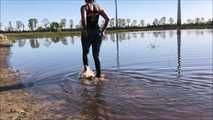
column 103, row 34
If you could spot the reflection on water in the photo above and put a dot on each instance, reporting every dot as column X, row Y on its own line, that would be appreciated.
column 21, row 43
column 150, row 75
column 94, row 106
column 47, row 42
column 117, row 48
column 114, row 37
column 34, row 43
column 4, row 57
column 178, row 53
column 8, row 75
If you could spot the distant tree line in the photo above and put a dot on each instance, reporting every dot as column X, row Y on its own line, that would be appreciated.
column 34, row 25
column 64, row 24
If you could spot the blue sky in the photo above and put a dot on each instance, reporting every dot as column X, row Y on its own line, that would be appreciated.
column 54, row 10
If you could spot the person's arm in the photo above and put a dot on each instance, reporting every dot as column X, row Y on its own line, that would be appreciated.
column 106, row 19
column 83, row 17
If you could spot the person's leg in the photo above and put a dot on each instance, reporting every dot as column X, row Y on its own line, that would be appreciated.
column 96, row 44
column 85, row 50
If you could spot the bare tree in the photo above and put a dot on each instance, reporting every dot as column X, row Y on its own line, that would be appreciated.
column 10, row 26
column 23, row 27
column 155, row 22
column 45, row 23
column 119, row 22
column 190, row 21
column 112, row 22
column 128, row 21
column 63, row 23
column 202, row 20
column 123, row 22
column 142, row 23
column 19, row 25
column 54, row 26
column 71, row 23
column 209, row 21
column 171, row 21
column 32, row 23
column 162, row 21
column 197, row 20
column 134, row 23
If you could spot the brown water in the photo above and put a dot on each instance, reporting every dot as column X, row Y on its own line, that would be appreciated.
column 156, row 75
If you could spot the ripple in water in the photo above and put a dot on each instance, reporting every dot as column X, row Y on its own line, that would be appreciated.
column 130, row 94
column 165, row 78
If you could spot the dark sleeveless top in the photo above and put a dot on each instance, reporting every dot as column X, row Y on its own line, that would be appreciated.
column 92, row 18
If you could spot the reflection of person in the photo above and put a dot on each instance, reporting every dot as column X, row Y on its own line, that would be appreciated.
column 91, row 32
column 94, row 107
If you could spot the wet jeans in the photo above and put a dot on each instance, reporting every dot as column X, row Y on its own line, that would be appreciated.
column 94, row 39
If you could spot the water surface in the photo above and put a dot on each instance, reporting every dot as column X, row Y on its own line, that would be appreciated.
column 150, row 75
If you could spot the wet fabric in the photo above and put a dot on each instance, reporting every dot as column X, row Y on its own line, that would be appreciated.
column 93, row 39
column 92, row 18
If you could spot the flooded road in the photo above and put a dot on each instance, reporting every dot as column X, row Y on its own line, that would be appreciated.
column 149, row 76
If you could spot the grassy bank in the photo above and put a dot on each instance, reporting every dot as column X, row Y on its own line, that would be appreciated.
column 16, row 35
column 68, row 32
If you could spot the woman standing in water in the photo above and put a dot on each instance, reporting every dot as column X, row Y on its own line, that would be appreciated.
column 91, row 32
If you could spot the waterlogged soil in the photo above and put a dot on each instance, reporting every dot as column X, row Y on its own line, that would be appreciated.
column 16, row 103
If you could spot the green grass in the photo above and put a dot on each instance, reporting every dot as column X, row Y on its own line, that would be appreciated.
column 16, row 35
column 13, row 36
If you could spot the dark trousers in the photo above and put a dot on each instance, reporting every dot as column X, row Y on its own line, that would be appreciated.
column 94, row 39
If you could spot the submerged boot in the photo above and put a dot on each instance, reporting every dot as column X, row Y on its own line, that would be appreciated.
column 87, row 73
column 100, row 77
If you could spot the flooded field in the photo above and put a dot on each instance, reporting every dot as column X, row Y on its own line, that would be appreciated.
column 149, row 76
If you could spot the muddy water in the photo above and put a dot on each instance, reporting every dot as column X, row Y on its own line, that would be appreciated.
column 149, row 76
